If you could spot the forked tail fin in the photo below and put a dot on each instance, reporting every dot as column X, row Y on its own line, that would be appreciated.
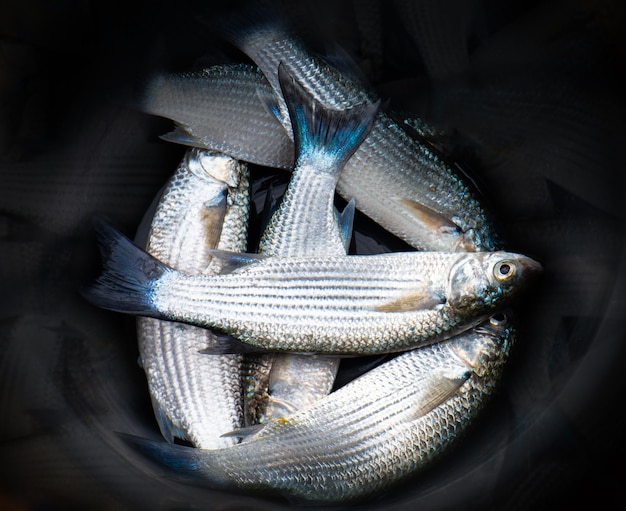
column 126, row 283
column 322, row 135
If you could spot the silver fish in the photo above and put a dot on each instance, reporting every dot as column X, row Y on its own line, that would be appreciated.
column 332, row 305
column 401, row 184
column 375, row 431
column 305, row 224
column 204, row 205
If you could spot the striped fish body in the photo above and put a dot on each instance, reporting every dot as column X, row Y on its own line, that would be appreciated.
column 342, row 305
column 345, row 305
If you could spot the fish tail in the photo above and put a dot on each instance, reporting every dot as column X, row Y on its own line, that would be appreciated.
column 128, row 274
column 322, row 134
column 181, row 461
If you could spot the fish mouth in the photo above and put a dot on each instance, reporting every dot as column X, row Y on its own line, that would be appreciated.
column 530, row 266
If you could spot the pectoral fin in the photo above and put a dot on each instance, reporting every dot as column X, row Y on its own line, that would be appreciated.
column 441, row 387
column 418, row 299
column 281, row 407
column 270, row 102
column 429, row 217
column 143, row 230
column 184, row 463
column 213, row 214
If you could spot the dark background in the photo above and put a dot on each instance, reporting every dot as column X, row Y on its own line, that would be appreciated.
column 529, row 98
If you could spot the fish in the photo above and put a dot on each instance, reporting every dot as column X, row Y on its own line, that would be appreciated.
column 400, row 183
column 306, row 224
column 360, row 440
column 345, row 305
column 204, row 205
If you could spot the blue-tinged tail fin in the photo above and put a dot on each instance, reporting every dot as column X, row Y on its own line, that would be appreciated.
column 128, row 274
column 181, row 462
column 323, row 136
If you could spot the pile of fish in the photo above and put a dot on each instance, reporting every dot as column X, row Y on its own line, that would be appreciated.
column 241, row 349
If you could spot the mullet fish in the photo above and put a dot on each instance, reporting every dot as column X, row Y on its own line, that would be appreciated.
column 203, row 206
column 375, row 431
column 333, row 305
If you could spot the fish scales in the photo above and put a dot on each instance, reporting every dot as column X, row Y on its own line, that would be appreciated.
column 375, row 431
column 309, row 225
column 195, row 397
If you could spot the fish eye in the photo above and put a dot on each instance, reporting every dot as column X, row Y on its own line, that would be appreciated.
column 504, row 270
column 498, row 319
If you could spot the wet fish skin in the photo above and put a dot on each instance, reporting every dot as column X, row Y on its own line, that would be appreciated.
column 305, row 224
column 204, row 205
column 375, row 431
column 332, row 305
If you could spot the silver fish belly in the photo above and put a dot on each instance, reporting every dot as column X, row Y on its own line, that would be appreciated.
column 375, row 431
column 333, row 305
column 204, row 205
column 305, row 224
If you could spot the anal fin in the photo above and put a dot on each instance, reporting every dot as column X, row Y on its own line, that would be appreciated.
column 181, row 135
column 169, row 430
column 345, row 221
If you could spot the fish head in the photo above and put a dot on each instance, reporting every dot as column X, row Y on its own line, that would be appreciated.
column 485, row 280
column 216, row 166
column 488, row 344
